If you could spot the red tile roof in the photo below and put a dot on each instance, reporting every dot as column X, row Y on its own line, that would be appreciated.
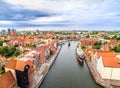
column 11, row 64
column 20, row 65
column 13, row 33
column 27, row 40
column 2, row 59
column 109, row 59
column 29, row 62
column 7, row 80
column 114, row 42
column 29, row 56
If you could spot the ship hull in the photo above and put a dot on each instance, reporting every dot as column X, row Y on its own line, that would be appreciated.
column 80, row 55
column 79, row 58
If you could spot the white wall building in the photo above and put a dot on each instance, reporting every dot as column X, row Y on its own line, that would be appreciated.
column 107, row 65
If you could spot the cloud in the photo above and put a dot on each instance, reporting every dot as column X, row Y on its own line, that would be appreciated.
column 6, row 22
column 61, row 12
column 48, row 19
column 54, row 5
column 11, row 13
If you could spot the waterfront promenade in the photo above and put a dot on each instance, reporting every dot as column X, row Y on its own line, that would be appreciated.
column 44, row 69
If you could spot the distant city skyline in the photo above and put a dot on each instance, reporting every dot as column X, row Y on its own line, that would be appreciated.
column 80, row 14
column 51, row 28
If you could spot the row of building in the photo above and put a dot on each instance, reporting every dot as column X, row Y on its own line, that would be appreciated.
column 8, row 31
column 105, row 62
column 21, row 71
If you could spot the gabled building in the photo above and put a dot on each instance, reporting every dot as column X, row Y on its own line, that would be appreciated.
column 106, row 63
column 8, row 81
column 44, row 53
column 88, row 41
column 22, row 72
column 10, row 66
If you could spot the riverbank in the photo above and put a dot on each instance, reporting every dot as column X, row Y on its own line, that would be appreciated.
column 106, row 83
column 93, row 72
column 66, row 70
column 96, row 75
column 44, row 69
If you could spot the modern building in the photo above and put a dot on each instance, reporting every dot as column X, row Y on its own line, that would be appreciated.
column 9, row 31
column 13, row 30
column 3, row 31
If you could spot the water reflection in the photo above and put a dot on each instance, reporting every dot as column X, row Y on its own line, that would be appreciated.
column 67, row 72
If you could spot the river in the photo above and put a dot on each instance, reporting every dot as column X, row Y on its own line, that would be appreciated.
column 66, row 71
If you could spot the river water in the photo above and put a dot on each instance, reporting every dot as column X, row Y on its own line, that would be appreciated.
column 67, row 72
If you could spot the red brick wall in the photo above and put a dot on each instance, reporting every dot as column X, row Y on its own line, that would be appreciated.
column 42, row 57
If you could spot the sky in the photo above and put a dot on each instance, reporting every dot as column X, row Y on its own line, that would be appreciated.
column 94, row 14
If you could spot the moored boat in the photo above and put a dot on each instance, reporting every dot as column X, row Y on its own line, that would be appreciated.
column 80, row 55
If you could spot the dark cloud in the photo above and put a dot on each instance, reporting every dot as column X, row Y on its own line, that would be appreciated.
column 7, row 12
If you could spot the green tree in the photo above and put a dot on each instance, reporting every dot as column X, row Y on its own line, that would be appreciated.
column 83, row 47
column 98, row 43
column 11, row 51
column 1, row 51
column 16, row 45
column 8, row 51
column 6, row 40
column 116, row 48
column 88, row 36
column 114, row 37
column 1, row 43
column 106, row 37
column 2, row 70
column 16, row 53
column 118, row 38
column 96, row 47
column 33, row 45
